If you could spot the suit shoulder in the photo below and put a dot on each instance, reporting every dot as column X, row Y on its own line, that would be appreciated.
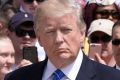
column 106, row 71
column 27, row 72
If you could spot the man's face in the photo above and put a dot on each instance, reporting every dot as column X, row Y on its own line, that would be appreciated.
column 30, row 5
column 60, row 37
column 116, row 48
column 105, row 41
column 7, row 59
column 24, row 37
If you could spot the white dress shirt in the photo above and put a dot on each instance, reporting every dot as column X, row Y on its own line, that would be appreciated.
column 41, row 52
column 70, row 71
column 117, row 67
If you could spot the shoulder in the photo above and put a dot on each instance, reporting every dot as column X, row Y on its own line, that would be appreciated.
column 99, row 71
column 27, row 72
column 106, row 72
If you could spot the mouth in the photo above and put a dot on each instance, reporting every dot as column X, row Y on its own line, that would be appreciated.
column 104, row 50
column 8, row 68
column 62, row 50
column 26, row 42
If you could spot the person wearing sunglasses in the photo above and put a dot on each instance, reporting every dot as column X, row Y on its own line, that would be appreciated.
column 100, row 9
column 116, row 43
column 22, row 34
column 60, row 30
column 29, row 5
column 100, row 33
column 110, row 12
column 106, row 9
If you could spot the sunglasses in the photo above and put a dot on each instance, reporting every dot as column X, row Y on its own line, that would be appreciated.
column 21, row 33
column 97, row 39
column 116, row 42
column 105, row 14
column 31, row 1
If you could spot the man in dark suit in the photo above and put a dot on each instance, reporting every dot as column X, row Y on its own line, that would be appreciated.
column 60, row 29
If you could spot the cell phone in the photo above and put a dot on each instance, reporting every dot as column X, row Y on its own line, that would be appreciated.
column 30, row 53
column 94, row 48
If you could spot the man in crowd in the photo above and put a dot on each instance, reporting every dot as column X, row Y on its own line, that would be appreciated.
column 60, row 30
column 7, row 51
column 116, row 43
column 22, row 34
column 29, row 5
column 100, row 32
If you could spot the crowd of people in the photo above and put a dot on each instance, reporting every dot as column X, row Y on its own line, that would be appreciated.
column 72, row 39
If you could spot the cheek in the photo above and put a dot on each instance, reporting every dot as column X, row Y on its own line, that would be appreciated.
column 116, row 51
column 33, row 41
column 46, row 42
column 117, row 54
column 114, row 20
column 2, row 62
column 109, row 46
column 74, row 43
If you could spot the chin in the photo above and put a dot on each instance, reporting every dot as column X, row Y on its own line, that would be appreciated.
column 5, row 71
column 65, row 56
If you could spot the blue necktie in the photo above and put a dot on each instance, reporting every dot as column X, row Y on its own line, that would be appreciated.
column 58, row 75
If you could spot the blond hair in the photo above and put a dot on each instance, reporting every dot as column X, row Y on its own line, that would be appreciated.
column 57, row 8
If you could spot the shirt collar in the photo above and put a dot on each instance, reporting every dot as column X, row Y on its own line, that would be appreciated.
column 72, row 70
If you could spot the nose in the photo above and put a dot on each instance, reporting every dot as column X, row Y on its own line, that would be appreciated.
column 59, row 37
column 110, row 17
column 27, row 36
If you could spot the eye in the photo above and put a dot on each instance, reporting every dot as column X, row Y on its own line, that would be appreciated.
column 66, row 30
column 3, row 54
column 13, row 55
column 50, row 31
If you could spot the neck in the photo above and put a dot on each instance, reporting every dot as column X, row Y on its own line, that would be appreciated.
column 111, row 62
column 18, row 57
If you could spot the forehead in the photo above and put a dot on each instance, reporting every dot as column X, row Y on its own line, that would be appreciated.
column 116, row 32
column 108, row 7
column 54, row 20
column 5, row 43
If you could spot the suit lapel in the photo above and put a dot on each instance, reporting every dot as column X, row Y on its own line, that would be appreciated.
column 40, row 70
column 87, row 71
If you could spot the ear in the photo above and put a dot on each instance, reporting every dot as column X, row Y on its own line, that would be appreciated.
column 83, row 31
column 8, row 32
column 82, row 37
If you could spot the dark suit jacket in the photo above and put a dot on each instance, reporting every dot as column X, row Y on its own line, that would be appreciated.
column 89, row 70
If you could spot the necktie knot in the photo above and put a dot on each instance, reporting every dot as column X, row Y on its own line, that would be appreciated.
column 58, row 75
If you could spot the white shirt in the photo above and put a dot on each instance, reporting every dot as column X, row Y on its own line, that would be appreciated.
column 117, row 67
column 41, row 52
column 21, row 9
column 70, row 71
